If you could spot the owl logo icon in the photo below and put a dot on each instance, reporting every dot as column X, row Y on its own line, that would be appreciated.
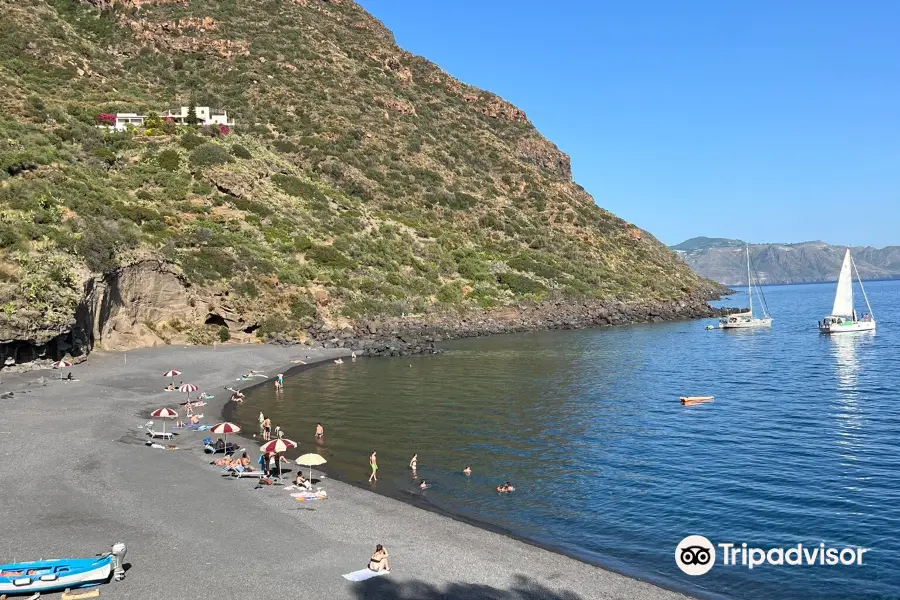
column 695, row 555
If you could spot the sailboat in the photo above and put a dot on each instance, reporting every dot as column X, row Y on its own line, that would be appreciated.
column 746, row 320
column 843, row 317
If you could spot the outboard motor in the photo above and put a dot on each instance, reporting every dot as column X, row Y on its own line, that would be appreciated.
column 118, row 554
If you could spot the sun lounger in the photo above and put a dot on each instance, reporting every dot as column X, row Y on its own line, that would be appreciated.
column 159, row 435
column 241, row 473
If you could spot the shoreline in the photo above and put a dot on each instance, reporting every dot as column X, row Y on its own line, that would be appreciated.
column 102, row 485
column 421, row 503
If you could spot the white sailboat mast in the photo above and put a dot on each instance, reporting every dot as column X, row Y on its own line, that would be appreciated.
column 749, row 286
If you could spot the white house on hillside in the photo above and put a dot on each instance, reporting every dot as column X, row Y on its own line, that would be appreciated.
column 123, row 120
column 205, row 115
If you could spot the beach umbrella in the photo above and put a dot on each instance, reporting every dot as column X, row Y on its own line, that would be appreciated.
column 187, row 388
column 164, row 413
column 225, row 429
column 173, row 374
column 277, row 446
column 310, row 460
column 61, row 364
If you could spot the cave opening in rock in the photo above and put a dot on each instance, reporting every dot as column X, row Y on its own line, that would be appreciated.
column 251, row 328
column 214, row 319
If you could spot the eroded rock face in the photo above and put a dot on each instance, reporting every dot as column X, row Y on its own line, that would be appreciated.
column 546, row 155
column 133, row 303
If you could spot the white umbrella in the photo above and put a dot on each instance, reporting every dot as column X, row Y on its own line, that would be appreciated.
column 310, row 460
column 61, row 364
column 225, row 429
column 164, row 413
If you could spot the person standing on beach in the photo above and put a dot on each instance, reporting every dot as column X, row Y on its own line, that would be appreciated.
column 374, row 464
column 320, row 431
column 267, row 427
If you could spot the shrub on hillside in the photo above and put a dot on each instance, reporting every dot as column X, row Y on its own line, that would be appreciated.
column 286, row 146
column 190, row 141
column 168, row 160
column 519, row 284
column 328, row 256
column 210, row 155
column 294, row 186
column 240, row 152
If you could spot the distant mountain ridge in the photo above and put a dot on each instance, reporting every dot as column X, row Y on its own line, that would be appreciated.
column 723, row 260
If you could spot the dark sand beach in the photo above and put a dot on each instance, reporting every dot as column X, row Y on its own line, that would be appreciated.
column 78, row 478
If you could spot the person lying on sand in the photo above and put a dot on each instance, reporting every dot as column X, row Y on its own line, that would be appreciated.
column 505, row 488
column 225, row 461
column 380, row 560
column 170, row 387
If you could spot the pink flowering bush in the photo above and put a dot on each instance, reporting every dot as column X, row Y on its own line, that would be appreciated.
column 106, row 118
column 224, row 129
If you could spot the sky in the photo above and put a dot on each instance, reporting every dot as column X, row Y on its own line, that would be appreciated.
column 762, row 121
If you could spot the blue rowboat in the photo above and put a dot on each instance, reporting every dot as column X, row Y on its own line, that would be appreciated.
column 59, row 574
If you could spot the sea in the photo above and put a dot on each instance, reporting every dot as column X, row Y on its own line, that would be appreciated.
column 799, row 445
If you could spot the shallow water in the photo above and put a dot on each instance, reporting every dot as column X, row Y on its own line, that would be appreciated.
column 799, row 445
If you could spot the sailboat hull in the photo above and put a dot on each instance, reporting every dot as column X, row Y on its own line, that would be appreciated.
column 847, row 327
column 745, row 324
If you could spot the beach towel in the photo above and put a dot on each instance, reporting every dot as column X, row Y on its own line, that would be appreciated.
column 363, row 574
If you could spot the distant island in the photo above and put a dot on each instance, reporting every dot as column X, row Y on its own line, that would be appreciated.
column 722, row 260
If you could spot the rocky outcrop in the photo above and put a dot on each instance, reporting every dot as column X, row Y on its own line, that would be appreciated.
column 546, row 155
column 404, row 336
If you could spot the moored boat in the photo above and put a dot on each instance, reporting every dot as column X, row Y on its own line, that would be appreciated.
column 745, row 319
column 843, row 317
column 59, row 574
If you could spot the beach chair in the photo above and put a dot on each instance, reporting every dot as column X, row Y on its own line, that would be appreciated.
column 159, row 435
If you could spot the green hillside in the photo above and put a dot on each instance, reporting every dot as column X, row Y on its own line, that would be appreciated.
column 359, row 180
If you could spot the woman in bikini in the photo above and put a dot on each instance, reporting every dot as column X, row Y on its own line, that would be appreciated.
column 379, row 560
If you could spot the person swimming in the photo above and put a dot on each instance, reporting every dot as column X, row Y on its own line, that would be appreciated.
column 320, row 431
column 423, row 485
column 505, row 488
column 467, row 470
column 414, row 462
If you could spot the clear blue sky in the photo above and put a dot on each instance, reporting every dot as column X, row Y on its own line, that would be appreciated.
column 772, row 121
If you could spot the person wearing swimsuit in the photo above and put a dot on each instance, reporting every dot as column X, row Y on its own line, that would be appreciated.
column 379, row 560
column 374, row 464
column 320, row 431
column 267, row 427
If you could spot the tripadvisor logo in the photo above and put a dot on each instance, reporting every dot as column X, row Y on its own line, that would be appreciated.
column 696, row 555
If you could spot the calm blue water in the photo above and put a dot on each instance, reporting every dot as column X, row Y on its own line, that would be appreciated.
column 799, row 446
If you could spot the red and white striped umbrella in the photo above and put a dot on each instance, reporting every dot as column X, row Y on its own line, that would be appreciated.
column 164, row 413
column 61, row 364
column 187, row 388
column 277, row 446
column 173, row 374
column 225, row 429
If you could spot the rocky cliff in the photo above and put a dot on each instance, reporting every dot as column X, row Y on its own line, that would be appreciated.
column 356, row 183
